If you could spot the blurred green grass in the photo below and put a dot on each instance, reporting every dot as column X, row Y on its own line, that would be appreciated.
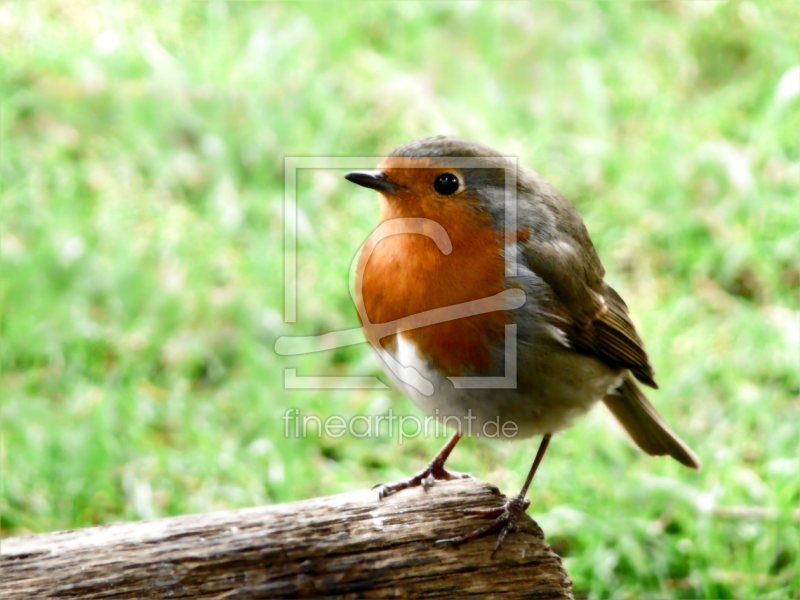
column 141, row 247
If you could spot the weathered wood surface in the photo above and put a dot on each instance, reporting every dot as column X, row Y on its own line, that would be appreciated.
column 345, row 546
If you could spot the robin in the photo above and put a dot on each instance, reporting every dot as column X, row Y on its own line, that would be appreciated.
column 574, row 345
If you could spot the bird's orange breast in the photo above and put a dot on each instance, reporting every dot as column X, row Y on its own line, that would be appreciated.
column 407, row 274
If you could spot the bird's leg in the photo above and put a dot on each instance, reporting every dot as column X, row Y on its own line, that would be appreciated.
column 506, row 515
column 428, row 476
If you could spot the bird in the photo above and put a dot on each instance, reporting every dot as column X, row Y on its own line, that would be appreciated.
column 454, row 273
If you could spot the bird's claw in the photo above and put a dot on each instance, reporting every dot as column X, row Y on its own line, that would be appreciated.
column 426, row 479
column 505, row 518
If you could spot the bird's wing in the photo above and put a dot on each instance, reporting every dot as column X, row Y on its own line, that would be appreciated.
column 592, row 315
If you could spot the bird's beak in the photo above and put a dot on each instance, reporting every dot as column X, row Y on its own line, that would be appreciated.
column 374, row 180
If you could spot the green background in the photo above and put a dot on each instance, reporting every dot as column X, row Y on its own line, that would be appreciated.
column 142, row 258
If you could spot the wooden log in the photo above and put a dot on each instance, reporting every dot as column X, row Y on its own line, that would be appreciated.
column 346, row 546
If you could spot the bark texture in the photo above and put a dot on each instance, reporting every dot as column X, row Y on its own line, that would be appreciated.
column 345, row 546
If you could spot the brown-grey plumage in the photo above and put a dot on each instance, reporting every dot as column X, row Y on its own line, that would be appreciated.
column 576, row 343
column 593, row 316
column 643, row 423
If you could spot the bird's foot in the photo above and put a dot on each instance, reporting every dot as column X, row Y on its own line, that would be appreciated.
column 426, row 478
column 504, row 519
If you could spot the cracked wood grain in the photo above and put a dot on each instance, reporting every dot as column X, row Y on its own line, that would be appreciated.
column 345, row 546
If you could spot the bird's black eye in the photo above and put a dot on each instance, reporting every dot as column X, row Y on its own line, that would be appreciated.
column 446, row 184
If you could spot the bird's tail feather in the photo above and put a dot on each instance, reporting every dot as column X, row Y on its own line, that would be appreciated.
column 643, row 423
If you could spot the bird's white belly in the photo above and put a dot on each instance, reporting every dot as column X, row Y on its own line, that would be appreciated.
column 553, row 388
